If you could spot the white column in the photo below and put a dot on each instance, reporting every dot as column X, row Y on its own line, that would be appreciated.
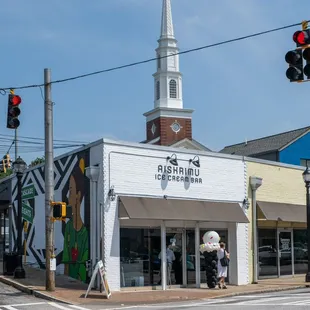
column 197, row 254
column 163, row 256
column 184, row 265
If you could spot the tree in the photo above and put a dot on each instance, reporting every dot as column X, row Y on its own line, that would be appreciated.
column 6, row 174
column 37, row 161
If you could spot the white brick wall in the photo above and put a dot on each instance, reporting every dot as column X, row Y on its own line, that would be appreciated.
column 131, row 170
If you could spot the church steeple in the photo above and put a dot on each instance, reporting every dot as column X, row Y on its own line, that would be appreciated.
column 168, row 78
column 166, row 21
column 168, row 122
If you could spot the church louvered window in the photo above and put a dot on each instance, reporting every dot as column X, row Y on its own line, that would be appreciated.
column 173, row 88
column 157, row 90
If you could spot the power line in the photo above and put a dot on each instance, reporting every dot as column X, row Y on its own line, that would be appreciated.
column 37, row 138
column 5, row 89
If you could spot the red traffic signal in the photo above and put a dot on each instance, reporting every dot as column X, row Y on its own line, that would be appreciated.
column 302, row 37
column 13, row 111
column 15, row 100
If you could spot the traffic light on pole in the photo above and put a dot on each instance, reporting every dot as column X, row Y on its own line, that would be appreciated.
column 295, row 72
column 61, row 211
column 7, row 161
column 13, row 111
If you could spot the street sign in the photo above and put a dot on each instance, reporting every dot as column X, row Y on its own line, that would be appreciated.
column 99, row 269
column 28, row 192
column 27, row 213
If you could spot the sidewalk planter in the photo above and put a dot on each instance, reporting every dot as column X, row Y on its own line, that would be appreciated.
column 130, row 201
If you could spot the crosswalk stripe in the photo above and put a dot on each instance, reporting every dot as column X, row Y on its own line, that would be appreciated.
column 262, row 300
column 58, row 306
column 78, row 307
column 299, row 302
column 9, row 307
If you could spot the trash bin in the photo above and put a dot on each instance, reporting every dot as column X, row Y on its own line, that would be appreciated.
column 10, row 262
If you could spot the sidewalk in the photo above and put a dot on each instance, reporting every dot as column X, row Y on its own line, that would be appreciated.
column 71, row 291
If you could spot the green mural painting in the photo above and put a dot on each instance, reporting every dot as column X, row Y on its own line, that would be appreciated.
column 76, row 239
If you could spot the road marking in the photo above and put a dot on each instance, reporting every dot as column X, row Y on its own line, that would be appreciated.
column 299, row 302
column 205, row 302
column 78, row 307
column 9, row 307
column 261, row 301
column 63, row 307
column 25, row 305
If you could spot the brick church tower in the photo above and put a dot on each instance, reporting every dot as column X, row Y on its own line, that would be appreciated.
column 168, row 122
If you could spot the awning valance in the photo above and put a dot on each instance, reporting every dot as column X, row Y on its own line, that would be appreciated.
column 178, row 209
column 274, row 211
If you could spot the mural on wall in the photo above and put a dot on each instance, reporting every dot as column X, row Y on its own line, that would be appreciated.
column 71, row 238
column 76, row 236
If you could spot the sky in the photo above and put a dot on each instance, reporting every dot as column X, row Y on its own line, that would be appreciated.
column 239, row 91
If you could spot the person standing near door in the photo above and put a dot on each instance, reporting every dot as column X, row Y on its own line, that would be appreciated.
column 222, row 265
column 170, row 259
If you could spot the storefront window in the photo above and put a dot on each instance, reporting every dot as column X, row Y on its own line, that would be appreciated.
column 267, row 252
column 140, row 255
column 139, row 251
column 300, row 251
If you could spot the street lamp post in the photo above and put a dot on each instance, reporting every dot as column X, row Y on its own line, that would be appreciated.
column 306, row 177
column 19, row 166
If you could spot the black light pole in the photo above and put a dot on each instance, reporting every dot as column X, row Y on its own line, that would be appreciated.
column 19, row 166
column 306, row 177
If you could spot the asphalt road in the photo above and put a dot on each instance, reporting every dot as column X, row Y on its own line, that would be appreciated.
column 297, row 299
column 13, row 299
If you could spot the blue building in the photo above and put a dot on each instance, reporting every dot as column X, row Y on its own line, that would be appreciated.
column 291, row 147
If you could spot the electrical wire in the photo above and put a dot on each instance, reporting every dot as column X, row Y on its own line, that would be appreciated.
column 5, row 89
column 37, row 138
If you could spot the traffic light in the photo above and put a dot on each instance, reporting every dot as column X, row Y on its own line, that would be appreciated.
column 306, row 56
column 295, row 70
column 7, row 161
column 302, row 38
column 13, row 111
column 61, row 211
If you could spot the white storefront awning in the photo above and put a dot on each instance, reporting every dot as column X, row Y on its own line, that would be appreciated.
column 177, row 209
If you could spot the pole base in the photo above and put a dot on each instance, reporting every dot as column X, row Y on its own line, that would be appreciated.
column 308, row 277
column 19, row 273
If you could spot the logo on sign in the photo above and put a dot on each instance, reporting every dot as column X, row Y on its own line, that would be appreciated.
column 178, row 174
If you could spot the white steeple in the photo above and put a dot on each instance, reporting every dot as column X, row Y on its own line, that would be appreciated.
column 168, row 78
column 166, row 21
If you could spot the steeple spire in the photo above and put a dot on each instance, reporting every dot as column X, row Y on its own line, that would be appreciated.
column 168, row 121
column 166, row 21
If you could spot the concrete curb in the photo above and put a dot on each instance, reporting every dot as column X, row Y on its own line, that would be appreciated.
column 28, row 290
column 262, row 291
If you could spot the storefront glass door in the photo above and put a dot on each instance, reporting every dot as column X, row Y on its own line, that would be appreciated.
column 285, row 253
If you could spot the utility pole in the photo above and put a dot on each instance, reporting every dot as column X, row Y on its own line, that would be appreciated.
column 49, row 180
column 15, row 142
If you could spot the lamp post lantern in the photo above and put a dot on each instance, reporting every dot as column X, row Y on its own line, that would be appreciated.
column 306, row 177
column 19, row 166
